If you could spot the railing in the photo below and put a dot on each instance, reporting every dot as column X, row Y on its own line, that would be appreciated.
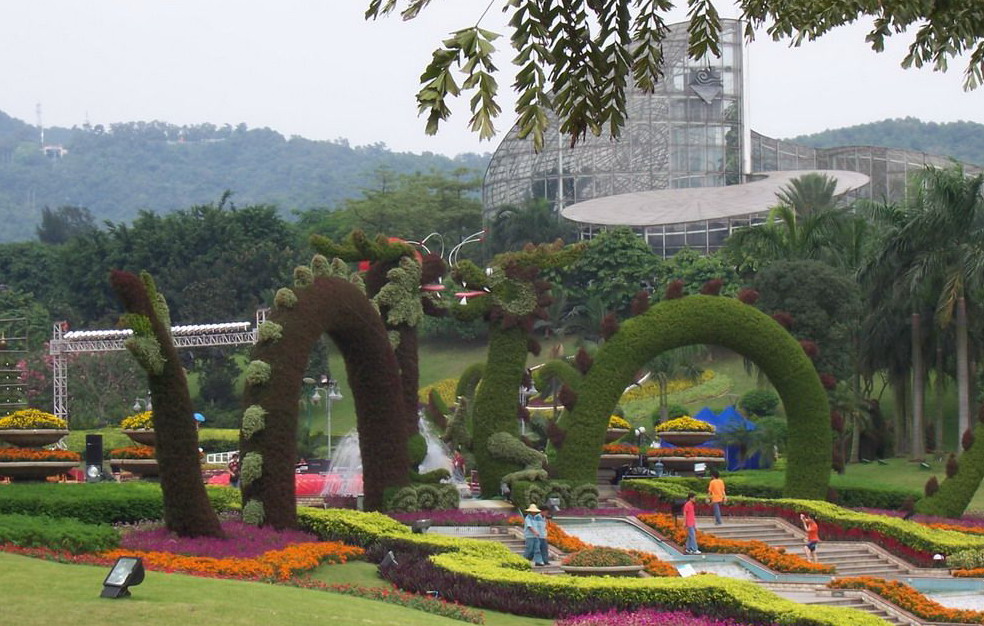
column 216, row 458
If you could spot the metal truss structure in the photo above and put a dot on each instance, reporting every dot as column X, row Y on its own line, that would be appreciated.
column 65, row 342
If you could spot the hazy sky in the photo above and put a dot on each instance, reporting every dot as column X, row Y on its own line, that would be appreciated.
column 315, row 68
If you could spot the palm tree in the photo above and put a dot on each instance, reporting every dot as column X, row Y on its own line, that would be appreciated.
column 938, row 252
column 672, row 365
column 810, row 193
column 535, row 222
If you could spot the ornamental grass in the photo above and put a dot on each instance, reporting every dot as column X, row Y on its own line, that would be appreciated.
column 32, row 419
column 685, row 424
column 132, row 452
column 909, row 599
column 37, row 455
column 645, row 617
column 774, row 558
column 138, row 421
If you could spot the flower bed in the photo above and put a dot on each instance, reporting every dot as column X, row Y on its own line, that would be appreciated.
column 616, row 421
column 645, row 617
column 138, row 421
column 599, row 556
column 28, row 455
column 132, row 452
column 32, row 419
column 909, row 599
column 916, row 543
column 623, row 448
column 775, row 558
column 241, row 540
column 685, row 424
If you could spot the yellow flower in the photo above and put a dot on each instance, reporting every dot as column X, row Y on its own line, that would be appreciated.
column 618, row 422
column 32, row 419
column 685, row 424
column 139, row 421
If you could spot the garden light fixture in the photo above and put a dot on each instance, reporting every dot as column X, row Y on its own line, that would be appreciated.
column 127, row 571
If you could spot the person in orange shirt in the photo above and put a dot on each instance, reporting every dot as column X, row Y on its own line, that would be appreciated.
column 717, row 495
column 812, row 537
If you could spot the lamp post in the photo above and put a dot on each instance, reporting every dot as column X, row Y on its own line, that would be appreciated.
column 640, row 432
column 332, row 394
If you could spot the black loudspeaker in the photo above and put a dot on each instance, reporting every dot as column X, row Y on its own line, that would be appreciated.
column 93, row 452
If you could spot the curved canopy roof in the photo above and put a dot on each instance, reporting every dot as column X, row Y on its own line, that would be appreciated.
column 674, row 206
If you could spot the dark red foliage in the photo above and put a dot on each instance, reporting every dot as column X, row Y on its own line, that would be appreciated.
column 837, row 421
column 810, row 348
column 952, row 466
column 785, row 319
column 556, row 434
column 748, row 296
column 609, row 326
column 533, row 346
column 836, row 460
column 567, row 397
column 583, row 361
column 674, row 290
column 523, row 413
column 640, row 303
column 829, row 381
column 832, row 495
column 968, row 439
column 431, row 268
column 712, row 287
column 932, row 486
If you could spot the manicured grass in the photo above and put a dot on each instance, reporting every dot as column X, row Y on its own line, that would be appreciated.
column 41, row 592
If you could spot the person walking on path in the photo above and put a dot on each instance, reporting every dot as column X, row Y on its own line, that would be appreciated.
column 716, row 492
column 812, row 537
column 532, row 534
column 544, row 544
column 690, row 522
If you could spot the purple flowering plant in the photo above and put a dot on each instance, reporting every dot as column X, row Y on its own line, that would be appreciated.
column 241, row 540
column 645, row 617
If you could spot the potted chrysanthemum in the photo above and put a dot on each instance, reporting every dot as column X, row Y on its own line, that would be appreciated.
column 140, row 428
column 685, row 431
column 618, row 427
column 30, row 428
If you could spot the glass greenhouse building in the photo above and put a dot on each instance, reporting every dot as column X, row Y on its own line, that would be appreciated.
column 686, row 170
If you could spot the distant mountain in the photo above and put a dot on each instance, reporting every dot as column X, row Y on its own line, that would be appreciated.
column 963, row 141
column 118, row 171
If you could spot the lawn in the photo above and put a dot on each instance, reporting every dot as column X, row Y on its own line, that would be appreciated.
column 42, row 592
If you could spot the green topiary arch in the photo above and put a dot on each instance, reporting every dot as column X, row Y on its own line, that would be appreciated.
column 705, row 320
column 319, row 303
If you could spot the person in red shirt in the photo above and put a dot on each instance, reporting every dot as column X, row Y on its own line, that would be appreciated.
column 812, row 537
column 690, row 522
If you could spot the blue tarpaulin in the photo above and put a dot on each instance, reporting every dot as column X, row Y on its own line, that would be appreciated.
column 727, row 419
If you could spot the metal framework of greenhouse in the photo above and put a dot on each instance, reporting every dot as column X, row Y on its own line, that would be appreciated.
column 65, row 342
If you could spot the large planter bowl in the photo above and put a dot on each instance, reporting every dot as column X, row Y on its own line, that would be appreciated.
column 141, row 467
column 615, row 570
column 34, row 470
column 688, row 438
column 143, row 437
column 614, row 434
column 32, row 438
column 613, row 461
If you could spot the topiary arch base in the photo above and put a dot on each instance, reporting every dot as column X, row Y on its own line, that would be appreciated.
column 709, row 320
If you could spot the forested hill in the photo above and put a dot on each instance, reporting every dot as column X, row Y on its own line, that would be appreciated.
column 963, row 141
column 118, row 171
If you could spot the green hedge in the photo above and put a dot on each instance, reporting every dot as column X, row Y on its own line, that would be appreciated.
column 525, row 493
column 500, row 572
column 848, row 496
column 32, row 531
column 99, row 503
column 956, row 493
column 709, row 320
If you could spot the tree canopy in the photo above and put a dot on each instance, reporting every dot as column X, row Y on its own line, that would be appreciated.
column 576, row 59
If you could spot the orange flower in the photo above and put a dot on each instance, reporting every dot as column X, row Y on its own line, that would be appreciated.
column 133, row 452
column 909, row 599
column 37, row 455
column 276, row 564
column 775, row 558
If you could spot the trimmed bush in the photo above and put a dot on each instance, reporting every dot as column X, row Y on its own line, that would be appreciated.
column 759, row 402
column 99, row 503
column 32, row 531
